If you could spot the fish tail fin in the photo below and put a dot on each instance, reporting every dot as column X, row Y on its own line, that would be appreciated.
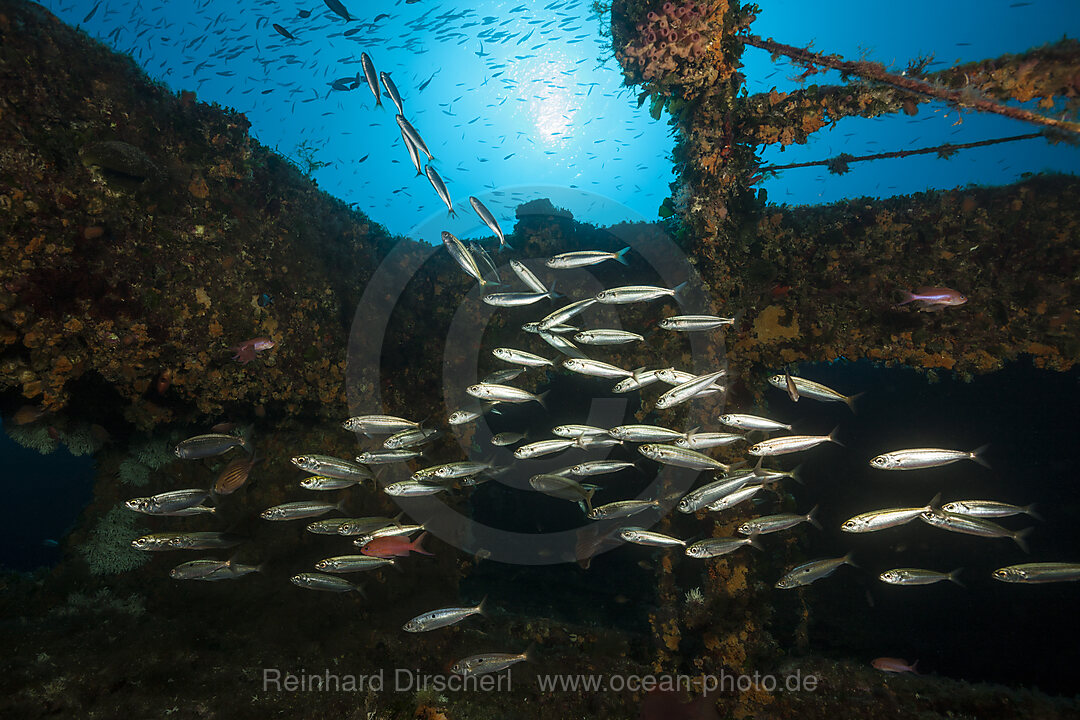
column 541, row 398
column 752, row 541
column 978, row 456
column 451, row 213
column 552, row 295
column 935, row 502
column 796, row 474
column 679, row 291
column 849, row 560
column 530, row 653
column 757, row 468
column 849, row 400
column 953, row 577
column 481, row 607
column 1030, row 512
column 621, row 255
column 417, row 546
column 908, row 297
column 913, row 666
column 811, row 517
column 832, row 437
column 340, row 506
column 360, row 589
column 1020, row 538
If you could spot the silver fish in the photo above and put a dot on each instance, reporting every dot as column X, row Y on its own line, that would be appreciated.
column 230, row 571
column 595, row 368
column 520, row 357
column 460, row 417
column 409, row 438
column 459, row 469
column 688, row 390
column 636, row 293
column 1038, row 572
column 681, row 457
column 440, row 188
column 360, row 526
column 378, row 424
column 414, row 153
column 463, row 257
column 527, row 276
column 414, row 137
column 638, row 381
column 584, row 258
column 412, row 488
column 319, row 482
column 573, row 431
column 298, row 510
column 517, row 299
column 320, row 581
column 691, row 323
column 671, row 376
column 503, row 393
column 564, row 488
column 716, row 490
column 603, row 336
column 352, row 563
column 621, row 509
column 501, row 377
column 170, row 503
column 197, row 569
column 882, row 519
column 777, row 523
column 186, row 541
column 641, row 536
column 974, row 526
column 917, row 458
column 504, row 439
column 442, row 618
column 534, row 328
column 813, row 390
column 791, row 443
column 478, row 251
column 752, row 422
column 715, row 547
column 392, row 91
column 489, row 220
column 382, row 457
column 332, row 467
column 210, row 445
column 735, row 498
column 644, row 433
column 544, row 447
column 394, row 530
column 809, row 572
column 989, row 509
column 917, row 576
column 370, row 77
column 701, row 441
column 600, row 467
column 487, row 663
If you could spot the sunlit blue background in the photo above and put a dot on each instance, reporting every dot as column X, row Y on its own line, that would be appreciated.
column 527, row 93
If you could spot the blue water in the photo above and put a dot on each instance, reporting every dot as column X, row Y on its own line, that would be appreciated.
column 43, row 496
column 527, row 93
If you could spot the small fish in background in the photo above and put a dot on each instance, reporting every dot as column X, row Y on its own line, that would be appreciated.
column 283, row 32
column 235, row 475
column 321, row 581
column 304, row 14
column 245, row 351
column 210, row 445
column 487, row 663
column 933, row 299
column 894, row 665
column 394, row 546
column 811, row 572
column 265, row 300
column 338, row 9
column 392, row 91
column 442, row 618
column 918, row 576
column 489, row 220
column 371, row 77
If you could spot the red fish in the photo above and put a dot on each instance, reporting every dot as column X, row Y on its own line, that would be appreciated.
column 245, row 351
column 934, row 298
column 394, row 546
column 894, row 665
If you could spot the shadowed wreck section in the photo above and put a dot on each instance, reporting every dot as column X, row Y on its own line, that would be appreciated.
column 146, row 239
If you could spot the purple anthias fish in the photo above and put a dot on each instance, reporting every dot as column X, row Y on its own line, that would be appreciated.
column 934, row 298
column 245, row 351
